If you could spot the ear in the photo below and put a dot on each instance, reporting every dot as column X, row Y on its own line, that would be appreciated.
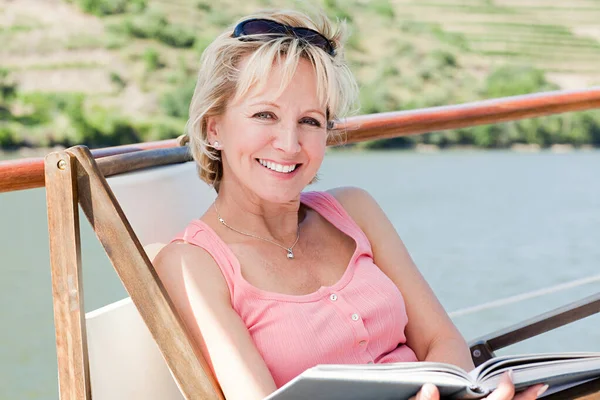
column 212, row 129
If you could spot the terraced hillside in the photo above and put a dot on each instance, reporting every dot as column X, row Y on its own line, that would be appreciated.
column 113, row 71
column 561, row 38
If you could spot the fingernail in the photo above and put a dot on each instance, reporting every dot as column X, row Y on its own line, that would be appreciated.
column 542, row 390
column 427, row 392
column 510, row 375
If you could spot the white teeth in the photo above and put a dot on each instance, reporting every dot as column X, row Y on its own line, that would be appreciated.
column 277, row 167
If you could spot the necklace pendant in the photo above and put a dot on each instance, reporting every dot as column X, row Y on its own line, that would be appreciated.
column 290, row 254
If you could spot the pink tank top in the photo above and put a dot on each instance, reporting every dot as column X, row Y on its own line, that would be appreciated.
column 358, row 320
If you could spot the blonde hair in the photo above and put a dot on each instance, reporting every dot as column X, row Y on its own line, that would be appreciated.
column 221, row 81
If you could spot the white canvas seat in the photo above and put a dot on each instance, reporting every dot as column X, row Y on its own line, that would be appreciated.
column 125, row 362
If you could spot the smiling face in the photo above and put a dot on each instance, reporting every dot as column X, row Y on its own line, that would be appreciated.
column 273, row 140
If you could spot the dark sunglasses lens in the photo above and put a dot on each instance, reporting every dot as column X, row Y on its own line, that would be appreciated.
column 262, row 27
column 314, row 38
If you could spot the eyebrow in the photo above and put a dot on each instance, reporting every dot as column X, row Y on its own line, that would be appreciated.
column 321, row 113
column 270, row 103
column 264, row 103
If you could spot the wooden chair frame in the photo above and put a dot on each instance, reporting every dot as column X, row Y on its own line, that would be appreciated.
column 482, row 349
column 74, row 178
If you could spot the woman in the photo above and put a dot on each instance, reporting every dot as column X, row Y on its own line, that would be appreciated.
column 271, row 281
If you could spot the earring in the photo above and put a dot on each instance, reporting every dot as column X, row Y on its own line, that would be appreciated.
column 216, row 145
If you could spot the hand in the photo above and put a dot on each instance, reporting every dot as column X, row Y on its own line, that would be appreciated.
column 504, row 391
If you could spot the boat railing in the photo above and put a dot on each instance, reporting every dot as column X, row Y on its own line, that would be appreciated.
column 73, row 178
column 29, row 173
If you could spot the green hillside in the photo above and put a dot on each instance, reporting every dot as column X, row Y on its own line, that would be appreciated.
column 105, row 72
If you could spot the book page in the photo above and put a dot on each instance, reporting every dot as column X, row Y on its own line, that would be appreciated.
column 367, row 382
column 504, row 363
column 422, row 366
column 553, row 373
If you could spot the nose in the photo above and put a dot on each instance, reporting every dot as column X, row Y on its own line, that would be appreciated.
column 287, row 140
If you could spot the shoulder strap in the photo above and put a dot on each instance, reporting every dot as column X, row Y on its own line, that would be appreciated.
column 200, row 234
column 330, row 208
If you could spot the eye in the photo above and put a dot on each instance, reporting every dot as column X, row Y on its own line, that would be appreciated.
column 264, row 115
column 311, row 121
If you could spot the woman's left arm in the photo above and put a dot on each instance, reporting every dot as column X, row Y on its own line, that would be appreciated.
column 430, row 333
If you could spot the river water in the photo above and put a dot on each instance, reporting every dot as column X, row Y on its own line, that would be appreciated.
column 481, row 226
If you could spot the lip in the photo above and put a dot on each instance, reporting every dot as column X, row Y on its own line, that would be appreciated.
column 280, row 175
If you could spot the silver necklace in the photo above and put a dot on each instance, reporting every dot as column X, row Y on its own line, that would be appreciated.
column 290, row 252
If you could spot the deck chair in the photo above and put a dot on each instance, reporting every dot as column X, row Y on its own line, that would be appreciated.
column 124, row 358
column 113, row 353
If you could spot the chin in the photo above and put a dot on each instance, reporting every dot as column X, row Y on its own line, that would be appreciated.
column 279, row 193
column 279, row 189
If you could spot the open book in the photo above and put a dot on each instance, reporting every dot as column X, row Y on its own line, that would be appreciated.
column 403, row 380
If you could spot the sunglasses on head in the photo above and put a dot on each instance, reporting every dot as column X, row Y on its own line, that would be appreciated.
column 268, row 27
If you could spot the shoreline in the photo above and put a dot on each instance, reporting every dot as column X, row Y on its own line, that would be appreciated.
column 34, row 152
column 516, row 148
column 28, row 152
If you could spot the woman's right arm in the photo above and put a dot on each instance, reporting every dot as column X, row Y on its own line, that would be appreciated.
column 201, row 297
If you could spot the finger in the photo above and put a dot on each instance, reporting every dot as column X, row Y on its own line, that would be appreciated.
column 427, row 392
column 532, row 393
column 505, row 389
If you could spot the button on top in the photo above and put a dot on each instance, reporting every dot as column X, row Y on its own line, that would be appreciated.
column 370, row 362
column 362, row 342
column 333, row 297
column 355, row 317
